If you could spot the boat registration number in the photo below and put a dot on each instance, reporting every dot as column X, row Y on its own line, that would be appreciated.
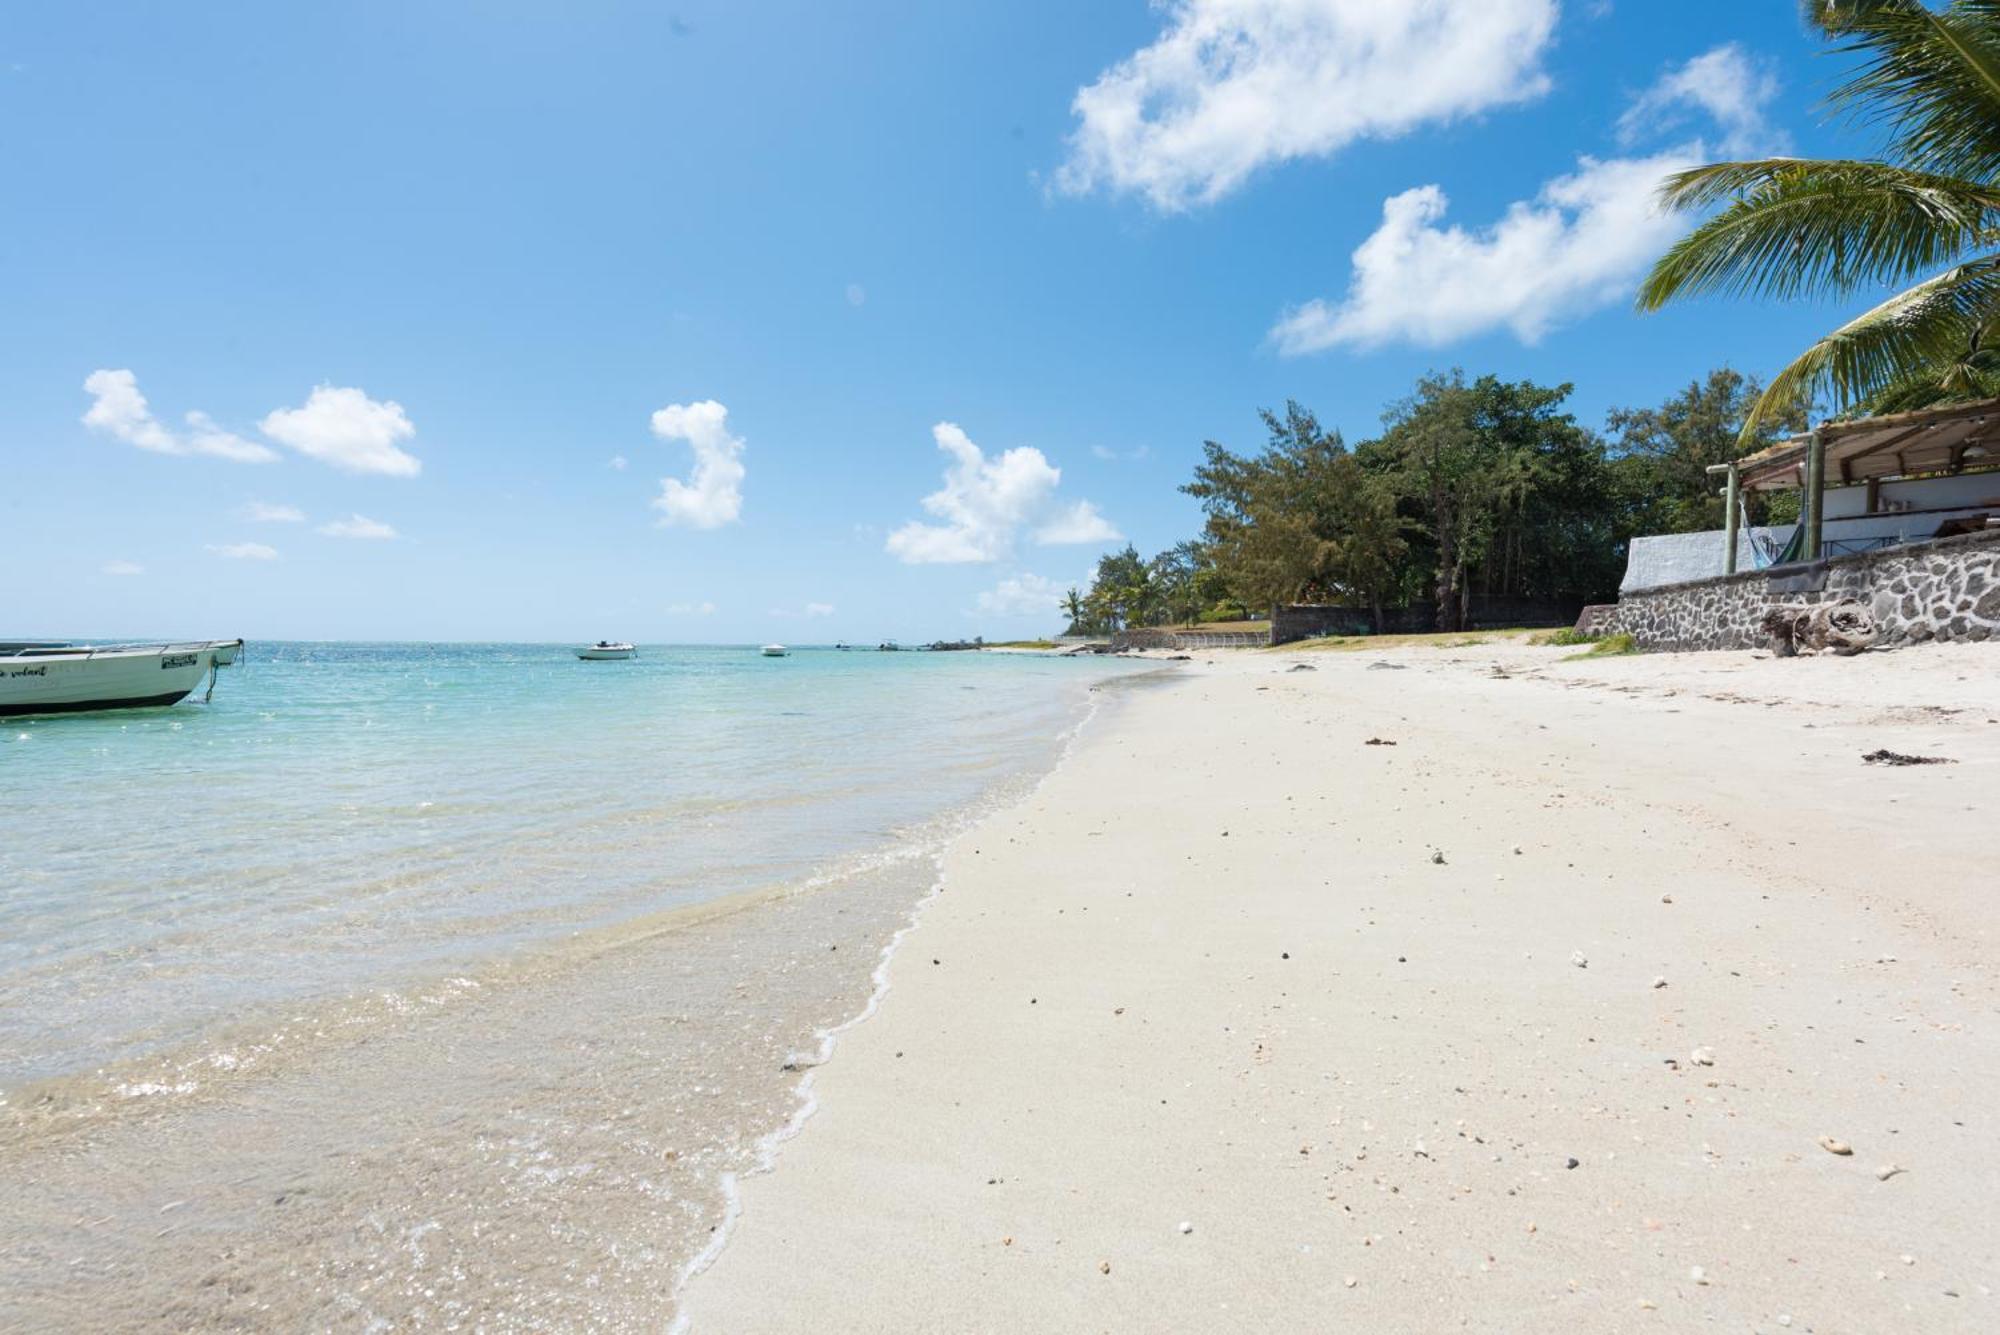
column 177, row 660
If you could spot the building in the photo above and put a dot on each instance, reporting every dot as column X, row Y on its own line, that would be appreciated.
column 1900, row 513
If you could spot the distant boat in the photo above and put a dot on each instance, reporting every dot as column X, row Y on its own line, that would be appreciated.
column 775, row 651
column 606, row 649
column 888, row 647
column 66, row 678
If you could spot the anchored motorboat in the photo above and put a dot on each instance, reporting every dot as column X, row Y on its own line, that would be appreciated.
column 606, row 649
column 61, row 678
column 775, row 651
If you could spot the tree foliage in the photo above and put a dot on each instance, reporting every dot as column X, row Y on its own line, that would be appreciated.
column 1923, row 218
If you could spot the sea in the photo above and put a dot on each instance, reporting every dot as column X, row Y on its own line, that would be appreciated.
column 451, row 986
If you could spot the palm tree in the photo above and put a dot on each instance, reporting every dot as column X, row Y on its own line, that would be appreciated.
column 1072, row 607
column 1928, row 210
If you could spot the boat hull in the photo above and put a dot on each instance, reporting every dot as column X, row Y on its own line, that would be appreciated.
column 605, row 655
column 67, row 683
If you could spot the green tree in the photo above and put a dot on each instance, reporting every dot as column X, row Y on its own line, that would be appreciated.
column 1508, row 491
column 1299, row 520
column 1927, row 210
column 1073, row 608
column 1661, row 456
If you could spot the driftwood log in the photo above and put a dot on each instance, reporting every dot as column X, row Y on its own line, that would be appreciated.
column 1843, row 627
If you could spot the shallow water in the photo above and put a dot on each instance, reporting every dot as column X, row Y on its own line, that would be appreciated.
column 432, row 985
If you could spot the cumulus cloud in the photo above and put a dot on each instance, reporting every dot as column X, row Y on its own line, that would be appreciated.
column 819, row 609
column 1726, row 84
column 985, row 503
column 358, row 526
column 244, row 551
column 347, row 429
column 1079, row 522
column 1578, row 245
column 123, row 568
column 713, row 494
column 1136, row 454
column 264, row 512
column 1022, row 595
column 1230, row 86
column 617, row 464
column 119, row 409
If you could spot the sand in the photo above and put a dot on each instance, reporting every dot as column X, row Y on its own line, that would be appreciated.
column 1243, row 1023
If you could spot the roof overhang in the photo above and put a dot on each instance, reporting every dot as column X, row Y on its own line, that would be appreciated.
column 1931, row 440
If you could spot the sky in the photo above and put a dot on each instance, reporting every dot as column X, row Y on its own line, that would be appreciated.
column 720, row 322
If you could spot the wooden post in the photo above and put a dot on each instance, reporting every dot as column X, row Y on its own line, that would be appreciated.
column 1732, row 498
column 1815, row 498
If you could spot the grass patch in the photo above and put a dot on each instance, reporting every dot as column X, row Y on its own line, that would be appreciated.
column 1608, row 646
column 1347, row 644
column 1568, row 635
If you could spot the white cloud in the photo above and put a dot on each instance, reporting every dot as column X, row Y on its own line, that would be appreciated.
column 123, row 568
column 358, row 526
column 985, row 502
column 347, row 429
column 857, row 295
column 1231, row 86
column 617, row 464
column 1578, row 245
column 1726, row 84
column 244, row 551
column 1078, row 523
column 1023, row 595
column 713, row 495
column 690, row 609
column 264, row 512
column 819, row 609
column 119, row 408
column 1136, row 454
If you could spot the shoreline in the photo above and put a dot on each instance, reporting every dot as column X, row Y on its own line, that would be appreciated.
column 1155, row 998
column 600, row 1089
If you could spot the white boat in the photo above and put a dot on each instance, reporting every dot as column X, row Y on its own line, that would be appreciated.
column 63, row 678
column 775, row 651
column 606, row 649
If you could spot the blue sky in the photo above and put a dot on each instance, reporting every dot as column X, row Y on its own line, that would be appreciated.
column 429, row 273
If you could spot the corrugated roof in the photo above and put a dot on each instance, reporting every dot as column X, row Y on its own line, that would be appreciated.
column 1929, row 440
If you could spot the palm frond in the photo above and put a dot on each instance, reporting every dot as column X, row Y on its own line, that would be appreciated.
column 1930, row 78
column 1927, row 326
column 1797, row 226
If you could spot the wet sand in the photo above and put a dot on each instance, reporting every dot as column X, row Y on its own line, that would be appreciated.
column 1537, row 1014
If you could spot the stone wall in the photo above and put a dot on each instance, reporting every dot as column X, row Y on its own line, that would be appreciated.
column 1193, row 638
column 1947, row 589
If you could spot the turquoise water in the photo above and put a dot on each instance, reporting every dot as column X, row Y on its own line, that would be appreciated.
column 346, row 818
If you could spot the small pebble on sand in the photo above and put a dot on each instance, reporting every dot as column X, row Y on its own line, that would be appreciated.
column 1834, row 1145
column 1659, row 980
column 1666, row 899
column 1104, row 1267
column 1186, row 1227
column 1351, row 1281
column 1576, row 957
column 1697, row 1274
column 1887, row 1171
column 1702, row 1056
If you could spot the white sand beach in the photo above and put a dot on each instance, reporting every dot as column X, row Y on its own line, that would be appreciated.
column 1539, row 1014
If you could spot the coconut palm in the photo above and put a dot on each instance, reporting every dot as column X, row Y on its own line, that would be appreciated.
column 1072, row 607
column 1928, row 210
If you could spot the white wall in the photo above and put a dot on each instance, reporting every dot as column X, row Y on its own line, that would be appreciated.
column 1924, row 493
